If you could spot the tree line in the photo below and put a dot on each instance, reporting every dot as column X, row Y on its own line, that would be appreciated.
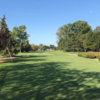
column 42, row 47
column 78, row 36
column 15, row 41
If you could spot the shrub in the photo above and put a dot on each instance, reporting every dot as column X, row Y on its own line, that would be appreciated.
column 79, row 55
column 26, row 56
column 94, row 53
column 82, row 55
column 87, row 55
column 90, row 56
column 98, row 57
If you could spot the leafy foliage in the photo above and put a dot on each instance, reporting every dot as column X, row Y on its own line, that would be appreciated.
column 82, row 55
column 78, row 36
column 34, row 47
column 90, row 56
column 21, row 34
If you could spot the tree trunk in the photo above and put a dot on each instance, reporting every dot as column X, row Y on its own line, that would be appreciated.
column 99, row 49
column 20, row 47
column 20, row 50
column 9, row 51
column 85, row 50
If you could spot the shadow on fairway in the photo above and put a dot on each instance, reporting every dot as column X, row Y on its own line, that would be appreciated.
column 4, row 70
column 3, row 73
column 30, row 56
column 23, row 59
column 18, row 60
column 48, row 81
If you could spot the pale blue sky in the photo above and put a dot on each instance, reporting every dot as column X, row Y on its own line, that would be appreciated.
column 43, row 17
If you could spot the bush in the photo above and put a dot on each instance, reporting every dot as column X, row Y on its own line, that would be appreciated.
column 81, row 55
column 94, row 53
column 98, row 57
column 90, row 56
column 87, row 55
column 26, row 56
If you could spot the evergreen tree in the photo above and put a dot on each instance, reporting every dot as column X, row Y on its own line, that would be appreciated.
column 4, row 36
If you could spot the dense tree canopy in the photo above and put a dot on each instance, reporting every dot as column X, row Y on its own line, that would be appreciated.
column 78, row 36
column 21, row 34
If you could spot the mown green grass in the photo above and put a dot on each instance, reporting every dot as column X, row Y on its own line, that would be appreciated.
column 75, row 52
column 50, row 76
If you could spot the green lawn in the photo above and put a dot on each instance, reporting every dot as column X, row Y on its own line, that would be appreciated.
column 50, row 76
column 74, row 52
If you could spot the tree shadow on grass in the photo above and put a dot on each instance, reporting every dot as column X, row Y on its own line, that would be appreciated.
column 30, row 56
column 49, row 81
column 3, row 73
column 24, row 59
column 21, row 60
column 4, row 70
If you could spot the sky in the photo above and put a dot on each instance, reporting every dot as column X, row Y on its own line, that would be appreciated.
column 43, row 17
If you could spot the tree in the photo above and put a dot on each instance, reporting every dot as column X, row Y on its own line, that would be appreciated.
column 40, row 46
column 34, row 47
column 72, row 36
column 81, row 28
column 21, row 34
column 88, row 43
column 97, row 29
column 26, row 46
column 44, row 47
column 92, row 41
column 96, row 40
column 5, row 35
column 52, row 46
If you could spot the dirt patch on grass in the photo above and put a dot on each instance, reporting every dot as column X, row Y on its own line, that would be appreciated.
column 73, row 54
column 5, row 59
column 96, row 59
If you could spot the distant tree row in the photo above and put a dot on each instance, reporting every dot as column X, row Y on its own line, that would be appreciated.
column 11, row 42
column 42, row 47
column 78, row 36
